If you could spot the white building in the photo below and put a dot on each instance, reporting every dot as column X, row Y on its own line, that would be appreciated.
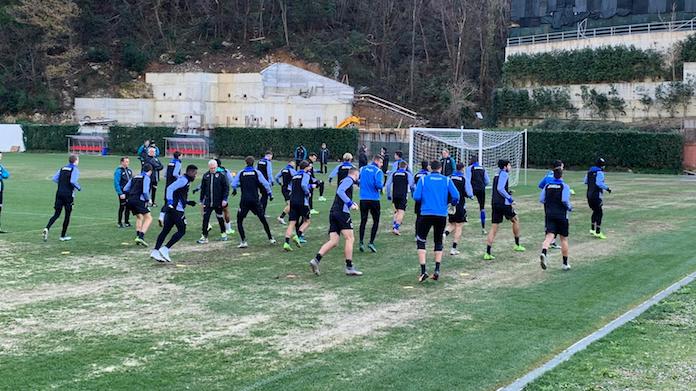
column 281, row 95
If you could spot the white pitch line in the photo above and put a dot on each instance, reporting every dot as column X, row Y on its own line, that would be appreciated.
column 522, row 382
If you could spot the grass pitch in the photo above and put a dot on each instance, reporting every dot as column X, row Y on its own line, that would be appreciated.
column 105, row 316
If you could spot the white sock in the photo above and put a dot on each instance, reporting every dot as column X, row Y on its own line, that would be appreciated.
column 161, row 216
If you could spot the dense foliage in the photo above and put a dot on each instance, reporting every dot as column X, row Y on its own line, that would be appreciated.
column 126, row 140
column 517, row 103
column 602, row 65
column 282, row 142
column 47, row 137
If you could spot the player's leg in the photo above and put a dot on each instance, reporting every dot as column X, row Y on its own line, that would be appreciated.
column 375, row 211
column 364, row 213
column 489, row 241
column 593, row 219
column 66, row 219
column 600, row 215
column 266, row 227
column 228, row 220
column 564, row 252
column 457, row 236
column 305, row 223
column 207, row 211
column 147, row 220
column 516, row 231
column 421, row 239
column 286, row 209
column 398, row 219
column 481, row 198
column 293, row 217
column 321, row 191
column 154, row 193
column 167, row 226
column 545, row 245
column 241, row 215
column 439, row 224
column 264, row 202
column 349, row 239
column 219, row 214
column 119, row 217
column 57, row 210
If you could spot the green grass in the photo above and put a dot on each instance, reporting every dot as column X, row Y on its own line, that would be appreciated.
column 656, row 351
column 104, row 316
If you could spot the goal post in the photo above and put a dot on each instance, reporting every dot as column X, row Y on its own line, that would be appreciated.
column 464, row 144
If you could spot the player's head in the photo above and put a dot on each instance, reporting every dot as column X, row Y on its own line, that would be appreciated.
column 219, row 162
column 291, row 162
column 557, row 164
column 323, row 145
column 176, row 155
column 445, row 153
column 403, row 164
column 212, row 165
column 191, row 171
column 435, row 166
column 398, row 155
column 249, row 160
column 151, row 152
column 125, row 161
column 460, row 166
column 600, row 162
column 378, row 160
column 312, row 157
column 353, row 173
column 473, row 159
column 504, row 164
column 347, row 157
column 305, row 165
column 268, row 155
column 146, row 143
column 425, row 165
column 147, row 168
column 558, row 173
column 383, row 150
column 74, row 160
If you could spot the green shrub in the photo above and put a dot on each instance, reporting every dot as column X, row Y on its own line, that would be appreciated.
column 639, row 151
column 97, row 54
column 126, row 140
column 47, row 137
column 282, row 142
column 134, row 58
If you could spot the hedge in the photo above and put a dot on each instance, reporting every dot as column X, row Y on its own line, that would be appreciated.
column 126, row 140
column 282, row 142
column 639, row 151
column 47, row 137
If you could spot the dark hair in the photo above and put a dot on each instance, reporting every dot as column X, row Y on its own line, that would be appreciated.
column 313, row 154
column 191, row 167
column 460, row 165
column 473, row 160
column 557, row 173
column 378, row 157
column 122, row 158
column 304, row 164
column 384, row 149
column 249, row 160
column 147, row 167
column 502, row 163
column 425, row 164
column 72, row 159
column 268, row 153
column 219, row 162
column 435, row 165
column 601, row 162
column 557, row 163
column 403, row 164
column 177, row 154
column 399, row 154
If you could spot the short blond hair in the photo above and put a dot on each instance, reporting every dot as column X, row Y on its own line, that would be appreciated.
column 347, row 157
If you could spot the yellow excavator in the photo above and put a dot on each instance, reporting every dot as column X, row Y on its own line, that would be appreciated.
column 350, row 121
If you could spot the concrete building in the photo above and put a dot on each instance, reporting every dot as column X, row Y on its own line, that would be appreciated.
column 281, row 95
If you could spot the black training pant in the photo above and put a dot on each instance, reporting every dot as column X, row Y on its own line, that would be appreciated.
column 597, row 212
column 173, row 218
column 62, row 202
column 264, row 203
column 123, row 215
column 254, row 207
column 206, row 218
column 367, row 208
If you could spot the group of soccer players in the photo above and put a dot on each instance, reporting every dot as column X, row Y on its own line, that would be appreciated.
column 439, row 189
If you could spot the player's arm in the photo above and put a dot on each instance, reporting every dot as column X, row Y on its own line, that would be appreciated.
column 502, row 180
column 127, row 187
column 235, row 181
column 334, row 172
column 177, row 170
column 453, row 192
column 176, row 185
column 467, row 174
column 418, row 194
column 409, row 175
column 584, row 180
column 269, row 172
column 305, row 184
column 542, row 182
column 542, row 195
column 4, row 173
column 56, row 176
column 389, row 186
column 565, row 197
column 74, row 176
column 341, row 192
column 486, row 178
column 469, row 190
column 264, row 183
column 600, row 182
column 146, row 187
column 117, row 182
column 379, row 180
column 277, row 178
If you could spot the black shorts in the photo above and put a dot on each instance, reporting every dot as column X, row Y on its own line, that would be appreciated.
column 63, row 201
column 500, row 211
column 459, row 215
column 0, row 197
column 138, row 207
column 437, row 223
column 595, row 203
column 339, row 221
column 286, row 194
column 557, row 225
column 249, row 206
column 297, row 211
column 400, row 203
column 481, row 198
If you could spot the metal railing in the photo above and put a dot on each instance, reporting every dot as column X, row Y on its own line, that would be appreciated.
column 679, row 25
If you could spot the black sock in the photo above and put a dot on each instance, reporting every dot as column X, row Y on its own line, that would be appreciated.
column 598, row 229
column 517, row 240
column 287, row 240
column 454, row 244
column 422, row 269
column 299, row 233
column 137, row 234
column 318, row 257
column 437, row 267
column 543, row 251
column 447, row 233
column 282, row 215
column 349, row 263
column 488, row 250
column 565, row 260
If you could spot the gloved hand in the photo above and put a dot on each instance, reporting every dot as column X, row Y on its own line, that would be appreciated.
column 191, row 203
column 330, row 179
column 389, row 198
column 270, row 197
column 170, row 204
column 234, row 192
column 609, row 191
column 196, row 190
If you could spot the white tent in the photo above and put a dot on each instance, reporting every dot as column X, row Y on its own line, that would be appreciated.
column 11, row 138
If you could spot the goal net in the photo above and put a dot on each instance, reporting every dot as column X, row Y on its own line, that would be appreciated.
column 463, row 144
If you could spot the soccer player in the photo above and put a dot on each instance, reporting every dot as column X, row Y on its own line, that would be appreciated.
column 251, row 182
column 67, row 179
column 265, row 167
column 362, row 156
column 340, row 224
column 283, row 178
column 215, row 188
column 595, row 196
column 226, row 210
column 171, row 174
column 398, row 185
column 138, row 190
column 317, row 183
column 299, row 215
column 398, row 158
column 549, row 177
column 478, row 177
column 340, row 172
column 433, row 191
column 385, row 160
column 556, row 199
column 371, row 184
column 122, row 175
column 157, row 166
column 142, row 152
column 449, row 165
column 324, row 156
column 300, row 154
column 4, row 174
column 177, row 200
column 425, row 170
column 458, row 218
column 501, row 204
